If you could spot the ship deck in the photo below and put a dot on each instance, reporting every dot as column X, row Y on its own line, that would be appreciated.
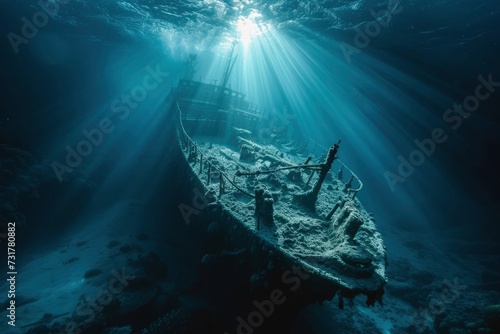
column 304, row 235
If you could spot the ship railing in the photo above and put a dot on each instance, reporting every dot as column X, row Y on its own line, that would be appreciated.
column 201, row 112
column 316, row 149
column 348, row 185
column 318, row 152
column 353, row 179
column 249, row 108
column 352, row 176
column 257, row 110
column 192, row 151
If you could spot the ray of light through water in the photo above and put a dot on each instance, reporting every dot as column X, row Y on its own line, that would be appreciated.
column 328, row 99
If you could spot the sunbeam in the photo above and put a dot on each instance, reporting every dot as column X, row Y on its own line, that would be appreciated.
column 228, row 166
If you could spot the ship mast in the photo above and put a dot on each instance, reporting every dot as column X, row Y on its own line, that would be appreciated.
column 229, row 67
column 309, row 198
column 191, row 66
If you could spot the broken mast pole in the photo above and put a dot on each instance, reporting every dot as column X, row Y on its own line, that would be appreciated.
column 310, row 197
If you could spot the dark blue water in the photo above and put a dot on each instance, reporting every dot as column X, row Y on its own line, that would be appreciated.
column 385, row 77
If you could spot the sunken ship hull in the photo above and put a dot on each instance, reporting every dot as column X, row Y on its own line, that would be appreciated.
column 255, row 188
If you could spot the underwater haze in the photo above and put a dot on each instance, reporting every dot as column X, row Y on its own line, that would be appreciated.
column 91, row 182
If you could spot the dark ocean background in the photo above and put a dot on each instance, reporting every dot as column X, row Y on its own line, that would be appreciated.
column 378, row 102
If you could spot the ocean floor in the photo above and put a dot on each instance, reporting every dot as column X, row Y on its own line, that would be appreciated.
column 120, row 264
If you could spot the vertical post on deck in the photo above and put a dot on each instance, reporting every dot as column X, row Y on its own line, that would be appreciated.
column 309, row 198
column 332, row 155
